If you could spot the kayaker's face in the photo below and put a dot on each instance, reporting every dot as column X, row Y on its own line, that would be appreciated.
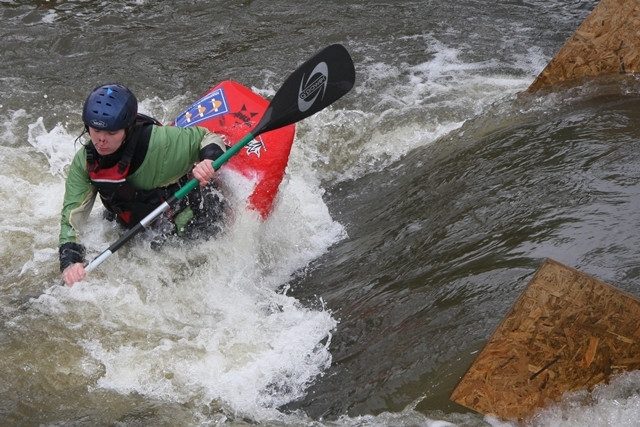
column 106, row 141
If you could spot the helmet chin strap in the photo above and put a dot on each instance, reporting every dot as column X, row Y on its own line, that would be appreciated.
column 127, row 132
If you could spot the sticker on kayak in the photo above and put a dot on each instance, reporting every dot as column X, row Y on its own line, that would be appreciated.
column 211, row 105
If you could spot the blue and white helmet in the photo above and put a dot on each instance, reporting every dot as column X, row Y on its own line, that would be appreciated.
column 110, row 107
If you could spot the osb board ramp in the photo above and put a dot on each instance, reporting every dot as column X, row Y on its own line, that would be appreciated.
column 607, row 42
column 566, row 332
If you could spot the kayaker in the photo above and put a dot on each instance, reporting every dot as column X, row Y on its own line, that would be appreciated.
column 134, row 163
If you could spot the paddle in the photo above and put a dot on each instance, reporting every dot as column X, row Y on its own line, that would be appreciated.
column 316, row 84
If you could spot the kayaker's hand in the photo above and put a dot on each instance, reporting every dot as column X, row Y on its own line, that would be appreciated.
column 74, row 273
column 204, row 171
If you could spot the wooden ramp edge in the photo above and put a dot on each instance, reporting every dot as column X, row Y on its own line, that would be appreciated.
column 566, row 332
column 607, row 42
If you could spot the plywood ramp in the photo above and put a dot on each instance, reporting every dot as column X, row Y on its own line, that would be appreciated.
column 566, row 332
column 607, row 42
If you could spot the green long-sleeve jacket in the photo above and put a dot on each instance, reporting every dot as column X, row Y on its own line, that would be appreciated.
column 171, row 153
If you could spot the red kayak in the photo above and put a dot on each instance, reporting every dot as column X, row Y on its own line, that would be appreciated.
column 232, row 110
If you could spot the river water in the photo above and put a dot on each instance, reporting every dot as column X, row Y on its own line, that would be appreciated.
column 413, row 213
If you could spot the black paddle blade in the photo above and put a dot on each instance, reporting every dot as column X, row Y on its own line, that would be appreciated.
column 314, row 85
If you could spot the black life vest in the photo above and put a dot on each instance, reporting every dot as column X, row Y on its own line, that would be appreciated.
column 109, row 175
